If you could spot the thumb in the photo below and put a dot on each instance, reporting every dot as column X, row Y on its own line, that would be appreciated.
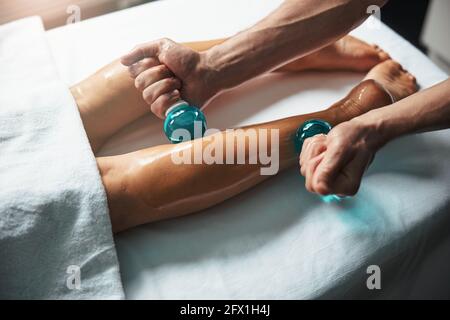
column 147, row 50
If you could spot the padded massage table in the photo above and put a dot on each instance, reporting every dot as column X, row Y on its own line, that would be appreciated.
column 275, row 241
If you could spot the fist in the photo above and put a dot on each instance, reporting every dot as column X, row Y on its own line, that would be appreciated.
column 335, row 163
column 165, row 71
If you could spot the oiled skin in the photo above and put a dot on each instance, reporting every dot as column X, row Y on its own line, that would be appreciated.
column 147, row 186
column 106, row 93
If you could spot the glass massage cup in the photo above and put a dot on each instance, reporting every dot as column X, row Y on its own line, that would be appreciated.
column 307, row 130
column 181, row 115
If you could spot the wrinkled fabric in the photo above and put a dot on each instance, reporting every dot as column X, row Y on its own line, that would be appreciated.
column 54, row 220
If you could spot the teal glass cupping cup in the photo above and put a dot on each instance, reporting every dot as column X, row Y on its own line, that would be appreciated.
column 307, row 130
column 186, row 117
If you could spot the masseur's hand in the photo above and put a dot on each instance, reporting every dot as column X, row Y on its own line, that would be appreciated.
column 335, row 163
column 165, row 70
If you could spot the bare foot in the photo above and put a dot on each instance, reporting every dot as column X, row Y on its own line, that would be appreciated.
column 397, row 81
column 384, row 84
column 348, row 54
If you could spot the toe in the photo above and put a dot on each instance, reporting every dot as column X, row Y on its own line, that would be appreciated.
column 408, row 75
column 394, row 65
column 410, row 83
column 383, row 55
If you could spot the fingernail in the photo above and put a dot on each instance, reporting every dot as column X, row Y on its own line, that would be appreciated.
column 175, row 94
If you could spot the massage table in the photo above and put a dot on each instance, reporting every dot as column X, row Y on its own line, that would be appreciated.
column 276, row 241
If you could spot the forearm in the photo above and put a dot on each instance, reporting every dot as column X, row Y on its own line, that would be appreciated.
column 425, row 111
column 110, row 95
column 295, row 29
column 108, row 99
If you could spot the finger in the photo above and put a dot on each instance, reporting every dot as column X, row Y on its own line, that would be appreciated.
column 151, row 76
column 348, row 181
column 305, row 147
column 150, row 49
column 309, row 171
column 314, row 146
column 334, row 160
column 154, row 91
column 313, row 151
column 142, row 65
column 164, row 102
column 301, row 157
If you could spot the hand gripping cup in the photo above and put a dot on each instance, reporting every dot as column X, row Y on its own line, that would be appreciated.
column 307, row 130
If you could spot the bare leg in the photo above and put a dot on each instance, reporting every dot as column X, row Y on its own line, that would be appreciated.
column 347, row 54
column 108, row 99
column 146, row 185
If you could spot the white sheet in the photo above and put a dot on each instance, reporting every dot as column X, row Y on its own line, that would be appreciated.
column 53, row 211
column 275, row 241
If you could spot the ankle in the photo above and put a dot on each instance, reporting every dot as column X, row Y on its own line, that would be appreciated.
column 366, row 96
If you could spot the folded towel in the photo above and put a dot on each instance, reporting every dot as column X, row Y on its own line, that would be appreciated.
column 55, row 233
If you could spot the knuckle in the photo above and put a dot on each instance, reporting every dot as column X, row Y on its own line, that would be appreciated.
column 163, row 100
column 132, row 71
column 139, row 83
column 337, row 145
column 163, row 84
column 169, row 83
column 140, row 49
column 164, row 43
column 148, row 96
column 325, row 172
column 166, row 40
column 306, row 142
column 316, row 145
column 146, row 63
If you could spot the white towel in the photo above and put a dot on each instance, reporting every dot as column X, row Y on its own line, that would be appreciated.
column 55, row 232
